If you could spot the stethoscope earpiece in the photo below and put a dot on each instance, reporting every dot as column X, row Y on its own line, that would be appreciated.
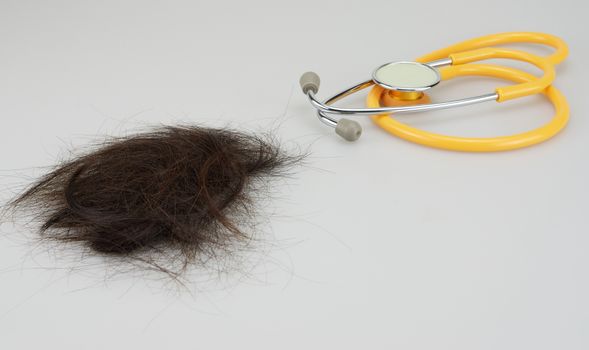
column 349, row 130
column 310, row 81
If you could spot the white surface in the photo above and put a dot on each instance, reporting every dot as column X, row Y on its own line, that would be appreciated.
column 380, row 244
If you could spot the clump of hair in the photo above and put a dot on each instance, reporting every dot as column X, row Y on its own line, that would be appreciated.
column 180, row 192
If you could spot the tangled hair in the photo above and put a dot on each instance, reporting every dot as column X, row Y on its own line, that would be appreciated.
column 182, row 191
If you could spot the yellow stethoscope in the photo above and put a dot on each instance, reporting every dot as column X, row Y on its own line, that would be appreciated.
column 399, row 87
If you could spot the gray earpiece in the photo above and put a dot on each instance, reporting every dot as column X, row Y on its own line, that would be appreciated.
column 349, row 130
column 310, row 81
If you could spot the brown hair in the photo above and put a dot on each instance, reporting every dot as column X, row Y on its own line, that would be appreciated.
column 185, row 189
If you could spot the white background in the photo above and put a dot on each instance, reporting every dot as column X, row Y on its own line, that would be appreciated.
column 379, row 244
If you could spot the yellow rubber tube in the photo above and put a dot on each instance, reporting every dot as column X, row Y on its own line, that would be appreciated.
column 560, row 53
column 477, row 144
column 477, row 49
column 534, row 86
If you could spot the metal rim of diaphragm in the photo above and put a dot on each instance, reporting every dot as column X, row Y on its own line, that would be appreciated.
column 425, row 70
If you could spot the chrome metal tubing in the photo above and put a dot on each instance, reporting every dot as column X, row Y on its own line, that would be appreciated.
column 327, row 120
column 324, row 118
column 440, row 63
column 324, row 109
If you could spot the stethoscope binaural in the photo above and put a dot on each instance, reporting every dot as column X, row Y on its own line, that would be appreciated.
column 399, row 87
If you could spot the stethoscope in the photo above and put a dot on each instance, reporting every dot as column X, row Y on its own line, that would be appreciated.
column 399, row 87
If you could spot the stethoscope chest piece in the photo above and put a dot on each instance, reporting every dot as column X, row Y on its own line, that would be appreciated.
column 406, row 76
